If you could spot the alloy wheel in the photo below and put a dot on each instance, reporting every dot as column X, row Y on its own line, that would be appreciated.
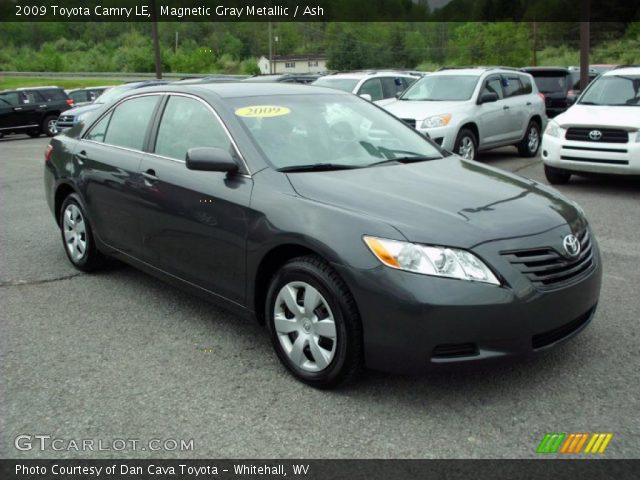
column 466, row 149
column 51, row 126
column 305, row 326
column 533, row 139
column 75, row 232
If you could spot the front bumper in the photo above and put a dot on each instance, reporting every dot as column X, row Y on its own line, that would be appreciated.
column 413, row 323
column 443, row 136
column 594, row 157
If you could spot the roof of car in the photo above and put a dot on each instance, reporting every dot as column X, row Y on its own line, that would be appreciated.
column 621, row 70
column 243, row 89
column 546, row 69
column 359, row 74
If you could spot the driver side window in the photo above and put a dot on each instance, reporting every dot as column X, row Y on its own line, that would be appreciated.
column 372, row 87
column 493, row 85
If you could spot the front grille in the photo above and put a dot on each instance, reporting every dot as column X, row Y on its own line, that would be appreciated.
column 409, row 121
column 552, row 336
column 546, row 268
column 455, row 350
column 65, row 119
column 609, row 135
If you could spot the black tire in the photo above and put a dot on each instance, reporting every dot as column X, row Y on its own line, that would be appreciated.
column 48, row 125
column 530, row 143
column 33, row 133
column 459, row 147
column 92, row 259
column 556, row 176
column 348, row 359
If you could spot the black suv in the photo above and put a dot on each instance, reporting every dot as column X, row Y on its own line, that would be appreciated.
column 32, row 110
column 560, row 86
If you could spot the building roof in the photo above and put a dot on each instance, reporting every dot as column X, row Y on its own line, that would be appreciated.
column 299, row 57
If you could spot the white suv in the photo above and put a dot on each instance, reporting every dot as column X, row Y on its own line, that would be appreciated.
column 471, row 109
column 600, row 133
column 372, row 85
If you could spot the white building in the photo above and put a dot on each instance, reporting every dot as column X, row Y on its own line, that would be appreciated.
column 310, row 63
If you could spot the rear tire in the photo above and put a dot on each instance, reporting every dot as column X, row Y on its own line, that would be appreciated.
column 466, row 144
column 530, row 144
column 314, row 324
column 77, row 236
column 556, row 176
column 49, row 125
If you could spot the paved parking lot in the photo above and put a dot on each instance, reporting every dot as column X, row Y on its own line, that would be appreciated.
column 120, row 354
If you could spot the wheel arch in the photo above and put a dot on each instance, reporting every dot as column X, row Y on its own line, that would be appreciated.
column 62, row 191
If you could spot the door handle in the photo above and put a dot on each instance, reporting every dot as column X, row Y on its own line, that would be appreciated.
column 17, row 109
column 43, row 106
column 149, row 176
column 81, row 156
column 505, row 107
column 528, row 104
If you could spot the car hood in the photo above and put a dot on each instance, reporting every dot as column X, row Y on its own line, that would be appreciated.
column 603, row 116
column 83, row 109
column 449, row 202
column 421, row 110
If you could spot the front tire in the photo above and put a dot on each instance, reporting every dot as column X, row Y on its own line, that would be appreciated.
column 556, row 176
column 49, row 126
column 77, row 236
column 530, row 144
column 466, row 144
column 313, row 322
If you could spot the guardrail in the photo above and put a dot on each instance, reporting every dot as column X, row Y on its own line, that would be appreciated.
column 114, row 75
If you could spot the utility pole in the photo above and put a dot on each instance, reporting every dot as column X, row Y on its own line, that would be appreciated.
column 176, row 47
column 156, row 41
column 585, row 25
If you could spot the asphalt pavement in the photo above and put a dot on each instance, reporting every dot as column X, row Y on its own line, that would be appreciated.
column 121, row 355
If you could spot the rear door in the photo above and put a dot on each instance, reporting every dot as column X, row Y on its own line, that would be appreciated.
column 110, row 154
column 516, row 102
column 33, row 106
column 194, row 223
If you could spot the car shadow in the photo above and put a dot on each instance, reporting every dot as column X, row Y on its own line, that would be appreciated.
column 18, row 137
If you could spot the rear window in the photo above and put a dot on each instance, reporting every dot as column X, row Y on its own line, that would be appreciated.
column 551, row 82
column 54, row 95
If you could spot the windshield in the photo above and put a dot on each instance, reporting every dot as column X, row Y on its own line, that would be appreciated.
column 613, row 90
column 331, row 131
column 113, row 93
column 442, row 88
column 344, row 84
column 550, row 82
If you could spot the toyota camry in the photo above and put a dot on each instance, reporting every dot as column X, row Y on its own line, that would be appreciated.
column 354, row 238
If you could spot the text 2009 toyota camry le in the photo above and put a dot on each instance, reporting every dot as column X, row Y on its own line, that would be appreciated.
column 355, row 239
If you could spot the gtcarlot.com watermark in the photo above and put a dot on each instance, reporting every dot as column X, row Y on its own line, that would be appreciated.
column 40, row 442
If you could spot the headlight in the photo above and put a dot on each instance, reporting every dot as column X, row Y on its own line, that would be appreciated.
column 436, row 121
column 431, row 260
column 554, row 130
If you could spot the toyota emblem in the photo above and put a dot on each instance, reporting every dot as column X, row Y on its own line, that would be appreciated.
column 595, row 135
column 571, row 245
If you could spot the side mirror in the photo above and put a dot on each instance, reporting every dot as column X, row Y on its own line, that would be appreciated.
column 210, row 159
column 571, row 99
column 398, row 94
column 366, row 96
column 488, row 98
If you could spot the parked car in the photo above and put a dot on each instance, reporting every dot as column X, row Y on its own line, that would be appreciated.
column 304, row 78
column 468, row 110
column 601, row 133
column 71, row 117
column 560, row 86
column 370, row 84
column 212, row 79
column 368, row 246
column 32, row 110
column 84, row 96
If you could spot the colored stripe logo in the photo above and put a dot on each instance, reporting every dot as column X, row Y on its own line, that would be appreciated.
column 573, row 443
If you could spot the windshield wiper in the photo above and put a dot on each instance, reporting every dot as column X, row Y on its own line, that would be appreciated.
column 317, row 167
column 403, row 160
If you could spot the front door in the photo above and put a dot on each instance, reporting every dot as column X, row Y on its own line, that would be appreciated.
column 194, row 223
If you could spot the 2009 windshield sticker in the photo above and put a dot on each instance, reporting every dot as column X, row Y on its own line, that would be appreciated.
column 262, row 111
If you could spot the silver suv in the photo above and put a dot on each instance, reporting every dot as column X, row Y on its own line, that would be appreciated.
column 466, row 110
column 370, row 84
